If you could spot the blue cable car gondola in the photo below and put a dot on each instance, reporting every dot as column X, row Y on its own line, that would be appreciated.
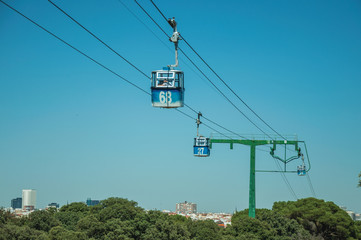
column 167, row 85
column 167, row 88
column 301, row 170
column 201, row 147
column 201, row 144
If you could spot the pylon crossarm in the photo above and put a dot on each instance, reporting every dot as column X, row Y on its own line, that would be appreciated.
column 276, row 171
column 253, row 142
column 292, row 158
column 278, row 158
column 287, row 160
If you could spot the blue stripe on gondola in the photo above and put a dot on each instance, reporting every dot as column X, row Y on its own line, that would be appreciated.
column 201, row 151
column 167, row 97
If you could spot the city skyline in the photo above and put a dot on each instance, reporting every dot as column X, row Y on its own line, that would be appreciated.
column 183, row 208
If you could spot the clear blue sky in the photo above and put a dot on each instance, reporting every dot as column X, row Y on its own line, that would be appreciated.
column 72, row 130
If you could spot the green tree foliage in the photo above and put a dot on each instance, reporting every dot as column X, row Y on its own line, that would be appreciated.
column 268, row 224
column 285, row 228
column 205, row 230
column 121, row 219
column 167, row 230
column 359, row 180
column 321, row 218
column 91, row 226
column 358, row 226
column 14, row 232
column 77, row 207
column 60, row 233
column 119, row 208
column 42, row 220
column 250, row 228
column 153, row 216
column 116, row 229
column 69, row 220
column 5, row 216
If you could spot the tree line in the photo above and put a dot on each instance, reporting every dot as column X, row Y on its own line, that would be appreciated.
column 121, row 219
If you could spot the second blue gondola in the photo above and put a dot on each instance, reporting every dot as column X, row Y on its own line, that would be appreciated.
column 301, row 170
column 201, row 147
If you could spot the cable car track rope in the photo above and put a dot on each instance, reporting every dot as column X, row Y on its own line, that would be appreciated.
column 308, row 176
column 285, row 179
column 99, row 39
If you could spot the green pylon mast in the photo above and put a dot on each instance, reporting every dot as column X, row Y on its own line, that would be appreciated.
column 252, row 178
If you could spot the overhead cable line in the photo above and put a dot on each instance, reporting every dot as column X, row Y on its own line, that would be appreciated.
column 310, row 185
column 118, row 54
column 155, row 35
column 76, row 49
column 308, row 177
column 220, row 77
column 232, row 90
column 145, row 11
column 216, row 123
column 285, row 179
column 159, row 11
column 99, row 39
column 205, row 74
column 202, row 123
column 163, row 43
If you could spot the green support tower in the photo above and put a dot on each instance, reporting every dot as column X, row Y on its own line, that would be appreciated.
column 252, row 177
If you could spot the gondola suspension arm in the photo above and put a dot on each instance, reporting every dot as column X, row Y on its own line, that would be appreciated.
column 174, row 38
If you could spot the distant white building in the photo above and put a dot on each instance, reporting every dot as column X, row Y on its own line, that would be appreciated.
column 186, row 208
column 29, row 199
column 352, row 215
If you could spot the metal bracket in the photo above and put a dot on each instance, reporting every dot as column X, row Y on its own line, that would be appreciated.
column 174, row 38
column 198, row 121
